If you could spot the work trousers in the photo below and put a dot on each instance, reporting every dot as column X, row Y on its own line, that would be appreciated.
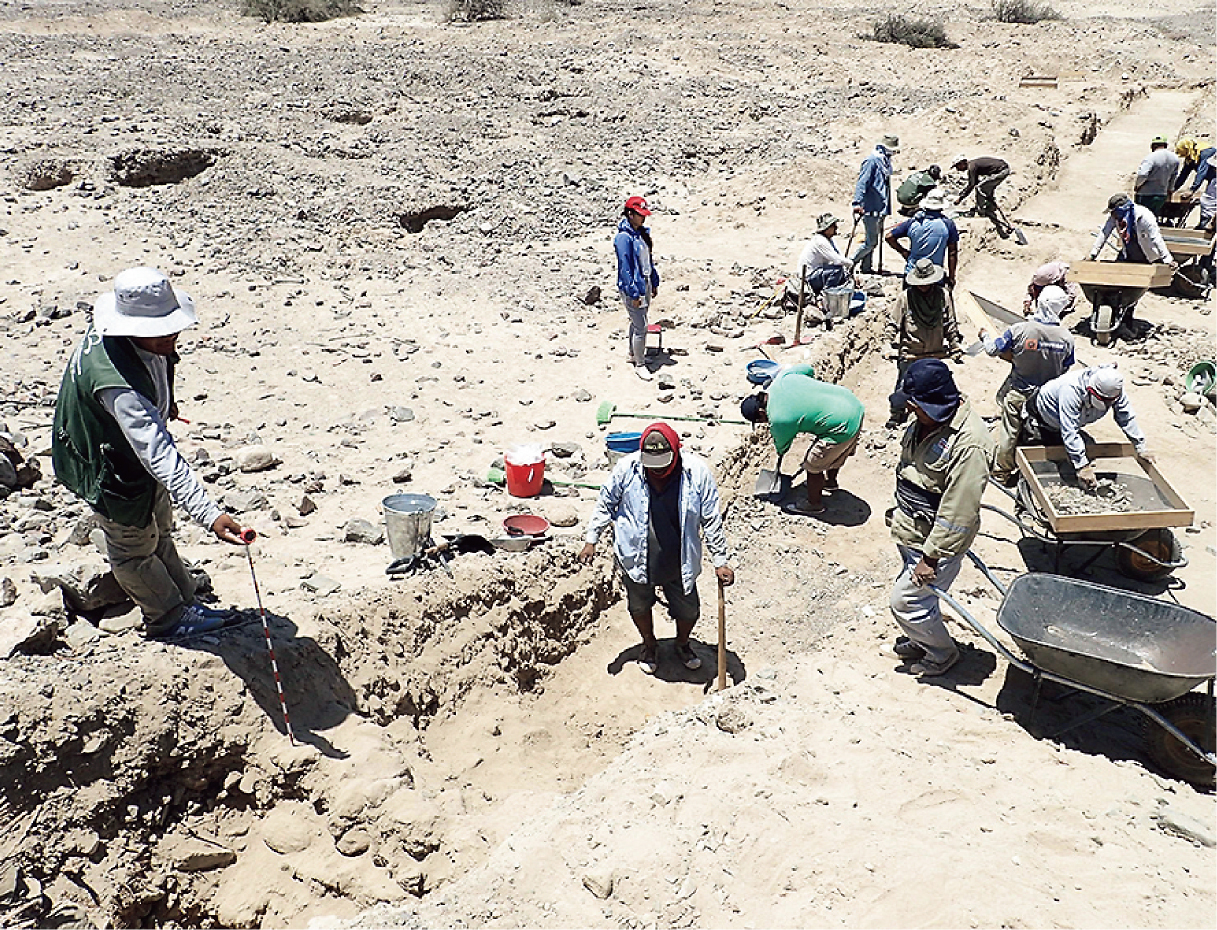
column 986, row 194
column 638, row 328
column 1153, row 202
column 1011, row 403
column 916, row 609
column 147, row 566
column 872, row 224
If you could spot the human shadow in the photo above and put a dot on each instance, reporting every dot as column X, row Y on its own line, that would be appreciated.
column 316, row 692
column 974, row 667
column 844, row 508
column 671, row 669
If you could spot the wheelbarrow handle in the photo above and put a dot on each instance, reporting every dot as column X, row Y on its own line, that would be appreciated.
column 980, row 630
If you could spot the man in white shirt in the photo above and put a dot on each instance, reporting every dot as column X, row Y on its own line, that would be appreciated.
column 1156, row 176
column 111, row 446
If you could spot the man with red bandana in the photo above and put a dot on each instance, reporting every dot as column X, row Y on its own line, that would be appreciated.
column 661, row 501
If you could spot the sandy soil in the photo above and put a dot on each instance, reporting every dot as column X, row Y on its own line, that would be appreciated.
column 390, row 240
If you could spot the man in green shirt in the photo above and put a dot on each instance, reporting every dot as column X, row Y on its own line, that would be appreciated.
column 795, row 402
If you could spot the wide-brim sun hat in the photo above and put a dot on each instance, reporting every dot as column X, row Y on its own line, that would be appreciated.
column 925, row 272
column 958, row 159
column 934, row 200
column 826, row 220
column 143, row 304
column 891, row 143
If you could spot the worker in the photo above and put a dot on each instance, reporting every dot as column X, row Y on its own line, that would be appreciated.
column 1192, row 158
column 1056, row 413
column 1038, row 350
column 111, row 447
column 658, row 499
column 637, row 277
column 913, row 189
column 795, row 402
column 984, row 174
column 931, row 234
column 1156, row 176
column 873, row 199
column 821, row 263
column 944, row 463
column 922, row 324
column 1050, row 277
column 1140, row 242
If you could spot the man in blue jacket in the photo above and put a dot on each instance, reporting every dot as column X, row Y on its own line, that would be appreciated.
column 873, row 198
column 637, row 278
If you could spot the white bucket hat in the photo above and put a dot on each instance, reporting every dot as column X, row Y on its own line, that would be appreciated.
column 143, row 303
column 933, row 200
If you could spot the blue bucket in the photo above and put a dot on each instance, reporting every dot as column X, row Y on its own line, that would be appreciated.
column 857, row 303
column 623, row 442
column 762, row 371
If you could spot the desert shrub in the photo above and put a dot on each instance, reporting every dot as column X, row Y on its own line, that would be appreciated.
column 915, row 33
column 1022, row 11
column 300, row 11
column 475, row 11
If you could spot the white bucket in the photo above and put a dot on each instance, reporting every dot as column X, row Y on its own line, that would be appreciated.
column 408, row 523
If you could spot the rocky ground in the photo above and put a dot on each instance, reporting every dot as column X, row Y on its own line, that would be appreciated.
column 394, row 228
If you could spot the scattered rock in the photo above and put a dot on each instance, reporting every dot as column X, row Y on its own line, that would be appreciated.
column 401, row 414
column 305, row 505
column 592, row 297
column 582, row 396
column 194, row 854
column 131, row 620
column 354, row 842
column 30, row 634
column 599, row 883
column 1173, row 821
column 732, row 720
column 544, row 424
column 86, row 588
column 81, row 635
column 244, row 501
column 564, row 450
column 255, row 458
column 562, row 514
column 320, row 585
column 8, row 592
column 403, row 474
column 286, row 830
column 359, row 530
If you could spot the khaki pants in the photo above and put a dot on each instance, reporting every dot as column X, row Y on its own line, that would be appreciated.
column 147, row 566
column 1012, row 403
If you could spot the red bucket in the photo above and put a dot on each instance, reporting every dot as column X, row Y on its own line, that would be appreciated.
column 524, row 480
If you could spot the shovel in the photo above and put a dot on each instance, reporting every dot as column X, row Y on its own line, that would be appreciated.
column 769, row 483
column 1018, row 233
column 607, row 410
column 441, row 553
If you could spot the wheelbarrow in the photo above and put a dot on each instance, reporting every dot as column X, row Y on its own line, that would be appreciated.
column 1145, row 547
column 1113, row 289
column 1127, row 649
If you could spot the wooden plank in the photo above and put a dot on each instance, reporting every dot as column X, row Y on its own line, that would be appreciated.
column 1179, row 513
column 967, row 303
column 1181, row 250
column 1200, row 235
column 1121, row 274
column 1048, row 82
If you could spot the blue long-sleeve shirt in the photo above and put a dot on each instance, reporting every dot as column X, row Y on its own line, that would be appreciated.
column 633, row 257
column 1066, row 405
column 1206, row 156
column 873, row 191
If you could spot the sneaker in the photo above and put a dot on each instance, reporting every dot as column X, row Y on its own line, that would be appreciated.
column 643, row 372
column 907, row 649
column 685, row 653
column 193, row 620
column 648, row 661
column 927, row 668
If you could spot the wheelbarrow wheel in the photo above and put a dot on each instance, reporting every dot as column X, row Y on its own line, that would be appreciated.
column 1192, row 714
column 1102, row 324
column 1161, row 544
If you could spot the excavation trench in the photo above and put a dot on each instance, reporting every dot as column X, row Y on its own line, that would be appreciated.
column 153, row 785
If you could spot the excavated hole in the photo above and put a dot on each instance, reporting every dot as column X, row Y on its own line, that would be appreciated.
column 46, row 175
column 150, row 774
column 414, row 222
column 147, row 167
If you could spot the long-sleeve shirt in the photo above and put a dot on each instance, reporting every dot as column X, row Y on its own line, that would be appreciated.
column 949, row 464
column 1157, row 172
column 873, row 191
column 1206, row 156
column 912, row 340
column 142, row 421
column 637, row 276
column 981, row 167
column 1066, row 405
column 1145, row 228
column 624, row 502
column 1039, row 352
column 821, row 252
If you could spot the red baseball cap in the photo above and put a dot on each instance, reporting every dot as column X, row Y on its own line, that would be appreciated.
column 638, row 205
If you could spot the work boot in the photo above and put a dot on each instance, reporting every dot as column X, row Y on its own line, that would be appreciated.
column 905, row 648
column 685, row 653
column 192, row 620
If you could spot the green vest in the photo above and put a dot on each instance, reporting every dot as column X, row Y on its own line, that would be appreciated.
column 91, row 454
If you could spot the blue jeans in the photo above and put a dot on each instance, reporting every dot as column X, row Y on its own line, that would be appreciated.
column 872, row 223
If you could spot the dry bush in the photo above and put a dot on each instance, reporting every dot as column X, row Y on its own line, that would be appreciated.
column 915, row 33
column 1026, row 12
column 475, row 11
column 299, row 11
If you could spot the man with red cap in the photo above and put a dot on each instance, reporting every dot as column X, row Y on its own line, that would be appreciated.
column 637, row 278
column 660, row 502
column 944, row 463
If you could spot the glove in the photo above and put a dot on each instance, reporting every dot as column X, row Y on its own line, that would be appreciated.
column 1087, row 478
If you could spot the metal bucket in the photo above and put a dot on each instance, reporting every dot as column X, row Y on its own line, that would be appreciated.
column 836, row 302
column 408, row 523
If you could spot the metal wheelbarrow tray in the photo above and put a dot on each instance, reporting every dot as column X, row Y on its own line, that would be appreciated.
column 1135, row 647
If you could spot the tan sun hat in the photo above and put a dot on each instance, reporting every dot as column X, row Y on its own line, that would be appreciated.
column 933, row 200
column 143, row 303
column 925, row 272
column 824, row 220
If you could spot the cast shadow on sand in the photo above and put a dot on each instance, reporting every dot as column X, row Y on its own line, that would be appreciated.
column 318, row 695
column 671, row 669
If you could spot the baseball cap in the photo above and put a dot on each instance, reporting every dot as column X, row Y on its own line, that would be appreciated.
column 1159, row 140
column 638, row 205
column 750, row 408
column 656, row 451
column 1116, row 201
column 928, row 384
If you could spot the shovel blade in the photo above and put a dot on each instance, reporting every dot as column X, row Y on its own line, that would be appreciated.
column 1019, row 237
column 768, row 483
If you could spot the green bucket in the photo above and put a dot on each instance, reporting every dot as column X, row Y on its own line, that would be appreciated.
column 1202, row 379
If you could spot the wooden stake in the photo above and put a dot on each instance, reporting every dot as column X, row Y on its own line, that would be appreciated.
column 722, row 637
